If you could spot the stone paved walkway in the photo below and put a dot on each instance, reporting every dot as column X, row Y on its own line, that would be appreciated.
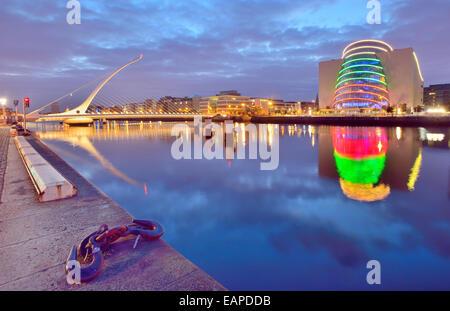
column 4, row 143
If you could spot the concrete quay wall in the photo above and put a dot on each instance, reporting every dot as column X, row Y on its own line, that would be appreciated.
column 35, row 237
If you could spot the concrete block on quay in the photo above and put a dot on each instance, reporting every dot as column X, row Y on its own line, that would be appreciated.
column 49, row 183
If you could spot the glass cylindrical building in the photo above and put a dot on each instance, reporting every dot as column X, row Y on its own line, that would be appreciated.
column 362, row 82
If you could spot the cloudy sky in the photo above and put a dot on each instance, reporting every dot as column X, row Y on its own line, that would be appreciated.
column 267, row 48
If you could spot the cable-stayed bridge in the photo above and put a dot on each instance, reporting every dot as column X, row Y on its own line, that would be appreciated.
column 116, row 108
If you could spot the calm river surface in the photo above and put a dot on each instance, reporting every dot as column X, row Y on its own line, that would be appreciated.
column 341, row 196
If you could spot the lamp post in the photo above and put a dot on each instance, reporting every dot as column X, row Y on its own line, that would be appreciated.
column 3, row 103
column 26, row 104
column 16, row 103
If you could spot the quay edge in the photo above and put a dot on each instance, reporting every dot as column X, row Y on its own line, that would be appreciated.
column 36, row 237
column 406, row 121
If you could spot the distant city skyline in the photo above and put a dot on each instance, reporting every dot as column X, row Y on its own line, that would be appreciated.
column 267, row 49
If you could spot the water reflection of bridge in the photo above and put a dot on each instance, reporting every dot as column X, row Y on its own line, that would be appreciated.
column 82, row 136
column 110, row 130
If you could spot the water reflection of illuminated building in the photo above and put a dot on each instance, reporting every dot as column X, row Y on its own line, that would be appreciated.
column 435, row 138
column 360, row 156
column 403, row 159
column 370, row 161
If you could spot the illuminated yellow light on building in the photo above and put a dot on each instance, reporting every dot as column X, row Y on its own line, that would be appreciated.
column 270, row 132
column 347, row 48
column 415, row 172
column 363, row 48
column 360, row 53
column 242, row 126
column 435, row 137
column 364, row 192
column 398, row 132
column 418, row 66
column 437, row 110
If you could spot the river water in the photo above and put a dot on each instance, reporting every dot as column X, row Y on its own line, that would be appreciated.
column 338, row 198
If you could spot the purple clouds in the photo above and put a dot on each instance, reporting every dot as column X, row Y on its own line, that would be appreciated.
column 262, row 48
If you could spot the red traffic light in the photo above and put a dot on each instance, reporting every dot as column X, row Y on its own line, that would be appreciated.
column 26, row 101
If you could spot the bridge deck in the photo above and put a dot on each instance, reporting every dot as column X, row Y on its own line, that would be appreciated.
column 122, row 117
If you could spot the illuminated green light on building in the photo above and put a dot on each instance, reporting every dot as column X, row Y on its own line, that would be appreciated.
column 362, row 65
column 360, row 78
column 360, row 59
column 364, row 171
column 363, row 71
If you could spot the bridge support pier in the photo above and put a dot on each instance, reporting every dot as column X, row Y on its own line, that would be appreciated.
column 78, row 121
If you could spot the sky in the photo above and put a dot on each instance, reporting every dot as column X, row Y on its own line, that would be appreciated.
column 262, row 48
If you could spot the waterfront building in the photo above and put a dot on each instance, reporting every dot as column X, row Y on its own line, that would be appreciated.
column 225, row 102
column 183, row 105
column 308, row 107
column 437, row 96
column 281, row 107
column 116, row 109
column 150, row 105
column 371, row 75
column 176, row 105
column 233, row 103
column 132, row 108
column 196, row 100
column 263, row 104
column 268, row 106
